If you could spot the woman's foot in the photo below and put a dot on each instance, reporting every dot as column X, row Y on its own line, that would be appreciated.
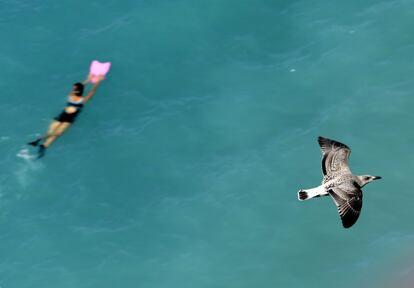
column 35, row 142
column 41, row 152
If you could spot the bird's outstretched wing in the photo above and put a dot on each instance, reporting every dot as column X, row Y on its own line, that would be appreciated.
column 349, row 204
column 335, row 157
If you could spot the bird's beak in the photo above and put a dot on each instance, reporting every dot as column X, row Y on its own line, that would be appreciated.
column 377, row 177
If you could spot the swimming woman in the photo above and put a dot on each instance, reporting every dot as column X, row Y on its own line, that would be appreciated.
column 64, row 120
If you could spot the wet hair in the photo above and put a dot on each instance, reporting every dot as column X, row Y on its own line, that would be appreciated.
column 78, row 89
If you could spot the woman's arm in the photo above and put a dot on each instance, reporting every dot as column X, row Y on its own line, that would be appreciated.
column 86, row 81
column 91, row 92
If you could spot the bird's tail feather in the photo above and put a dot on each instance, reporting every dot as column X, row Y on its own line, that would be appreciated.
column 302, row 195
column 310, row 193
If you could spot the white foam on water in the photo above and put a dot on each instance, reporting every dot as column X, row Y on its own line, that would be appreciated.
column 25, row 171
column 25, row 154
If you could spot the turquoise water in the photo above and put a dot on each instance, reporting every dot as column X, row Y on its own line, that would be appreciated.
column 183, row 169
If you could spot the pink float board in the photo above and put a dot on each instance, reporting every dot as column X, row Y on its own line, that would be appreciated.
column 98, row 69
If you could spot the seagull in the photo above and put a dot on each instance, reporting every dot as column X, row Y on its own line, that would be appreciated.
column 339, row 182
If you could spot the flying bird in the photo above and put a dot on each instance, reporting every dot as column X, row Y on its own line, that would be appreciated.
column 339, row 182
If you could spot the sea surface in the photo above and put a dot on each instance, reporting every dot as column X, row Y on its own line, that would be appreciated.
column 182, row 171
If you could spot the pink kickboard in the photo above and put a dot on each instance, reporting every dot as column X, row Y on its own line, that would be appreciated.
column 98, row 69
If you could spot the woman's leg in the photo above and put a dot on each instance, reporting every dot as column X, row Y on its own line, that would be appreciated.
column 50, row 131
column 54, row 132
column 57, row 131
column 52, row 128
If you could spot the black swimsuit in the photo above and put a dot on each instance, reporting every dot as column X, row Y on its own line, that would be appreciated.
column 70, row 117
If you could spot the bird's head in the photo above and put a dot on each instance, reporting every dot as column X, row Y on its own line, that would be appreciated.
column 365, row 179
